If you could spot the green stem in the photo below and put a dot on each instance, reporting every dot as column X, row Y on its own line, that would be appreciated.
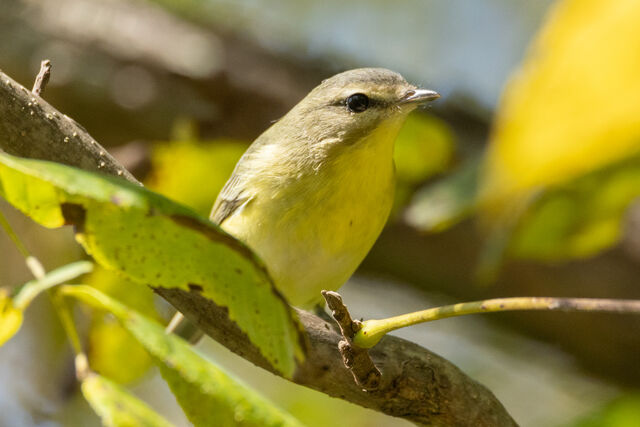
column 66, row 318
column 31, row 289
column 33, row 264
column 373, row 330
column 64, row 314
column 93, row 297
column 13, row 236
column 45, row 281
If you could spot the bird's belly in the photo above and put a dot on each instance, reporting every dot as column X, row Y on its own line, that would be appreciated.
column 317, row 239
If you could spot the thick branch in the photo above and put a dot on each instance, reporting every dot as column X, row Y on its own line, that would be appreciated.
column 30, row 127
column 416, row 384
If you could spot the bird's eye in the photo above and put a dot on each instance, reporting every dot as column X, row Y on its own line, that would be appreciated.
column 358, row 102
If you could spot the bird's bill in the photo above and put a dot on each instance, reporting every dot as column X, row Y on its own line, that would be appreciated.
column 419, row 96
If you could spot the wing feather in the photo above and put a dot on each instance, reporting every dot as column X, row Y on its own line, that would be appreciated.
column 235, row 192
column 231, row 197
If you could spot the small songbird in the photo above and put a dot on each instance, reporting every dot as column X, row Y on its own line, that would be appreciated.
column 313, row 192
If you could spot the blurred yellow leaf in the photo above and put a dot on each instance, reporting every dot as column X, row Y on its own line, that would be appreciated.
column 112, row 351
column 193, row 172
column 423, row 148
column 575, row 104
column 622, row 412
column 560, row 168
column 580, row 217
column 10, row 317
column 12, row 306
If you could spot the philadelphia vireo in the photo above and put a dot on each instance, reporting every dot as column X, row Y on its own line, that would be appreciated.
column 311, row 195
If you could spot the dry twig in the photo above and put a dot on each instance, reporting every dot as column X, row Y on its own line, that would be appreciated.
column 355, row 358
column 42, row 78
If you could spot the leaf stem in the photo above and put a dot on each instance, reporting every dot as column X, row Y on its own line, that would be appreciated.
column 13, row 236
column 66, row 319
column 33, row 264
column 31, row 289
column 373, row 330
column 64, row 314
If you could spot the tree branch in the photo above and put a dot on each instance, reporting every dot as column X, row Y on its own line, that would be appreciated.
column 416, row 384
column 30, row 127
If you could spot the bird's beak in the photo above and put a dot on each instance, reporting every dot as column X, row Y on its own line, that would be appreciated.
column 419, row 96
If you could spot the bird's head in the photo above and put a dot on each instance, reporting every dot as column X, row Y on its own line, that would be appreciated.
column 351, row 105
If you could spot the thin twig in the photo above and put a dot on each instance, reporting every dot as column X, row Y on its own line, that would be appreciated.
column 66, row 319
column 372, row 330
column 355, row 358
column 43, row 78
column 13, row 236
column 33, row 264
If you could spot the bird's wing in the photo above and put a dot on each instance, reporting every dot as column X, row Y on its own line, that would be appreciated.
column 236, row 192
column 231, row 197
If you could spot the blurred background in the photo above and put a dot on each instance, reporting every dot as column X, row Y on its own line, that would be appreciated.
column 520, row 181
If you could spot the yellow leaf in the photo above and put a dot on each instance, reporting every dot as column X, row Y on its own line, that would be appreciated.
column 423, row 148
column 575, row 104
column 193, row 172
column 10, row 317
column 11, row 309
column 114, row 353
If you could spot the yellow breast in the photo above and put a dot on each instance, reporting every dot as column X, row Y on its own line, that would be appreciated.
column 314, row 229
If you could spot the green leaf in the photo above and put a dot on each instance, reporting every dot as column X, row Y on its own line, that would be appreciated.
column 112, row 283
column 116, row 406
column 157, row 242
column 208, row 395
column 12, row 308
column 622, row 412
column 580, row 217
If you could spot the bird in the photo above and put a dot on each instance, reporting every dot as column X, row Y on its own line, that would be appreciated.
column 311, row 194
